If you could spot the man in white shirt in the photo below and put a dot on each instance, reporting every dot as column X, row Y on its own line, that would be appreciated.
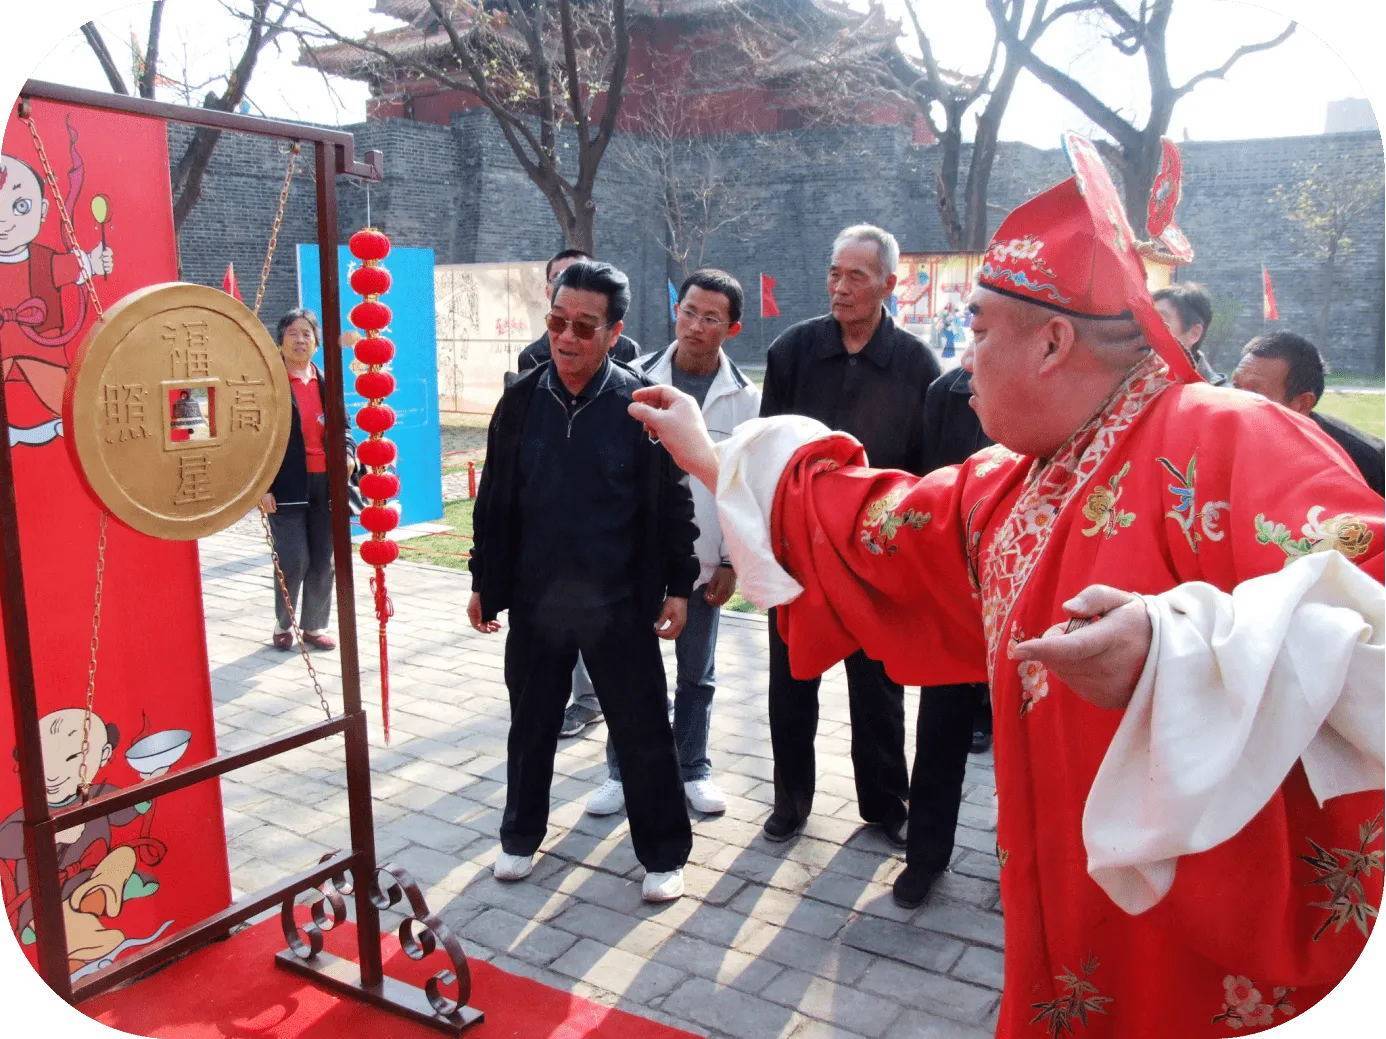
column 709, row 313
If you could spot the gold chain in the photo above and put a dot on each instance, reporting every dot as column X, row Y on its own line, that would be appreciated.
column 264, row 517
column 274, row 227
column 293, row 621
column 83, row 783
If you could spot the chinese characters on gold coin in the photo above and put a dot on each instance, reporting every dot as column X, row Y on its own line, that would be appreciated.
column 178, row 405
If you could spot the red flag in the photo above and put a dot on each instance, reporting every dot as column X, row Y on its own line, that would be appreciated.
column 228, row 283
column 1269, row 311
column 768, row 306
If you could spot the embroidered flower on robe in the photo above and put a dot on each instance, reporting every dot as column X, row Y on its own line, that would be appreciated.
column 1343, row 533
column 1039, row 518
column 995, row 456
column 1071, row 1007
column 881, row 522
column 1101, row 507
column 1340, row 872
column 1034, row 685
column 1243, row 1006
column 1195, row 523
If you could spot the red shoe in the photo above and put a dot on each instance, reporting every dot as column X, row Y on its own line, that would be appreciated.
column 283, row 640
column 320, row 641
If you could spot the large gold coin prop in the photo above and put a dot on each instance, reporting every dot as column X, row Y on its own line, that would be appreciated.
column 178, row 407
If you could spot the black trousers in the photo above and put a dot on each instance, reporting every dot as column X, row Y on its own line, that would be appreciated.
column 877, row 709
column 622, row 655
column 303, row 539
column 948, row 715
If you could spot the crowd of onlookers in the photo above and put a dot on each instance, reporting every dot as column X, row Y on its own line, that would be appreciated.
column 598, row 547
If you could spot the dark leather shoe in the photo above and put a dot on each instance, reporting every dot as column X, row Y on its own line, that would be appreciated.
column 780, row 827
column 981, row 742
column 893, row 832
column 283, row 640
column 913, row 885
column 320, row 641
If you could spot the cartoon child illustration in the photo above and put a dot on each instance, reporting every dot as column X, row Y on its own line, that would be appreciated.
column 33, row 363
column 97, row 876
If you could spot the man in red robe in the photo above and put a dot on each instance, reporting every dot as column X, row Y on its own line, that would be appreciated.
column 1174, row 592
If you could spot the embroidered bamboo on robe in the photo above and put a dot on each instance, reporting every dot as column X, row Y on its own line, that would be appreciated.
column 937, row 576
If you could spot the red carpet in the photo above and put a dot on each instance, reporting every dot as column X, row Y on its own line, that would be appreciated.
column 233, row 990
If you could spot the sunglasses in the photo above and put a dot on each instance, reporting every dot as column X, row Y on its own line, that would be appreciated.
column 581, row 329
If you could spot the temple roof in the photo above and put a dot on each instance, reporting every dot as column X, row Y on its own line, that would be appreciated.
column 832, row 27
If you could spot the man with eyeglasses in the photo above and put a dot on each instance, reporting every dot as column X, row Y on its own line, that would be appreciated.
column 856, row 370
column 709, row 313
column 584, row 530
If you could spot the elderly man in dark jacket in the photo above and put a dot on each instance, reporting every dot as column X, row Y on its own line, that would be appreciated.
column 855, row 370
column 953, row 719
column 584, row 530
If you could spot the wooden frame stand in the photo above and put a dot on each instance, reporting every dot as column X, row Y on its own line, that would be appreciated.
column 355, row 874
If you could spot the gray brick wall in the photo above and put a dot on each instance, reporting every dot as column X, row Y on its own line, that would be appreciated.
column 459, row 191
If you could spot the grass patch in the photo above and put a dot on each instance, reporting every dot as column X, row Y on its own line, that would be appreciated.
column 449, row 550
column 740, row 604
column 1359, row 379
column 1366, row 411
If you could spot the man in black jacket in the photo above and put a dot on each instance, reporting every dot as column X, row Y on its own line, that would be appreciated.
column 583, row 529
column 953, row 719
column 1288, row 369
column 855, row 370
column 584, row 710
column 536, row 353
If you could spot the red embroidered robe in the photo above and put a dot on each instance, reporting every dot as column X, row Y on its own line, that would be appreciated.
column 934, row 576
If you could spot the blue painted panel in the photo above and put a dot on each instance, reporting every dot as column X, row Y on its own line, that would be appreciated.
column 415, row 368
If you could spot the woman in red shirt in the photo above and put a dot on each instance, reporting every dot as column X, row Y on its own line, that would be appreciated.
column 297, row 501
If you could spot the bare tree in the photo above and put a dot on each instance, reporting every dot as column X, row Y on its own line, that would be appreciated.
column 1142, row 31
column 839, row 73
column 701, row 173
column 936, row 90
column 265, row 20
column 542, row 68
column 1327, row 210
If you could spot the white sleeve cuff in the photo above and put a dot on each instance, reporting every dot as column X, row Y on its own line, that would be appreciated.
column 750, row 464
column 1237, row 688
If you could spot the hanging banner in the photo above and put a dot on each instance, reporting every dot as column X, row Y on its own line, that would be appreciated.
column 415, row 399
column 143, row 873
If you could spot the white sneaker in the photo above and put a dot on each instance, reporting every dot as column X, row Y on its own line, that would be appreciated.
column 662, row 887
column 513, row 867
column 705, row 796
column 609, row 799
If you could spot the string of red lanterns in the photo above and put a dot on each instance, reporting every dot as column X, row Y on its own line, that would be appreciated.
column 379, row 485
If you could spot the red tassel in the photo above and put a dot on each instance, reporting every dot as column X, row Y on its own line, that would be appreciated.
column 384, row 610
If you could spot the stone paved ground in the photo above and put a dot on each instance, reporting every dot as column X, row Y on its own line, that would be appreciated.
column 797, row 940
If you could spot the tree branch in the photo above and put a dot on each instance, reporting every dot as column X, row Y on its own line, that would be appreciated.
column 615, row 82
column 1062, row 83
column 108, row 65
column 191, row 168
column 150, row 72
column 570, row 65
column 1236, row 56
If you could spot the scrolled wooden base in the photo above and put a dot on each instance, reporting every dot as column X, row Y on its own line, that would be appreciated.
column 344, row 977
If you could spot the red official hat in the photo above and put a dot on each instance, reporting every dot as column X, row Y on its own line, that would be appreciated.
column 1071, row 249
